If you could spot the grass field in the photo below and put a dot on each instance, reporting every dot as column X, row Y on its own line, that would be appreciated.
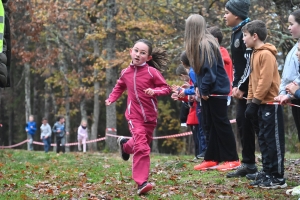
column 36, row 175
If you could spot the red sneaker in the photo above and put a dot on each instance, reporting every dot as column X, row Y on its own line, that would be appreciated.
column 229, row 165
column 206, row 165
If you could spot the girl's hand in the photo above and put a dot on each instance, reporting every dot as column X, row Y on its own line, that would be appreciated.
column 67, row 133
column 181, row 94
column 174, row 96
column 205, row 97
column 174, row 88
column 282, row 99
column 149, row 91
column 107, row 102
column 292, row 88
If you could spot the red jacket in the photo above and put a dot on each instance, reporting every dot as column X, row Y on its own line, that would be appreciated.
column 136, row 79
column 227, row 65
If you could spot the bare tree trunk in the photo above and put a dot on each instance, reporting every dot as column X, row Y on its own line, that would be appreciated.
column 83, row 100
column 96, row 111
column 11, row 112
column 111, row 73
column 27, row 96
column 155, row 143
column 55, row 111
column 46, row 103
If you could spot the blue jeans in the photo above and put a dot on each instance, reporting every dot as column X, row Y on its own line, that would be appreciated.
column 30, row 142
column 47, row 143
column 203, row 145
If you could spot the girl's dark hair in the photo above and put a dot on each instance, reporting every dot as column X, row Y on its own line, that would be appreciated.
column 184, row 59
column 296, row 15
column 45, row 118
column 181, row 70
column 159, row 56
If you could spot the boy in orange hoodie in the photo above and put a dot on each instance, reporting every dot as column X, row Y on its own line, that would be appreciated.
column 264, row 82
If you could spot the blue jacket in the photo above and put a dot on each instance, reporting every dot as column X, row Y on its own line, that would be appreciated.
column 61, row 127
column 191, row 90
column 31, row 127
column 213, row 79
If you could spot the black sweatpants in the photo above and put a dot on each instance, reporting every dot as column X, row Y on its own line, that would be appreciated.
column 271, row 139
column 296, row 115
column 247, row 129
column 60, row 144
column 221, row 144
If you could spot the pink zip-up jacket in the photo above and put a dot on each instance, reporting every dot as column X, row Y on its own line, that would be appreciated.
column 136, row 79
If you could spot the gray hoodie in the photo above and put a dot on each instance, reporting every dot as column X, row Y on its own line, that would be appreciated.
column 290, row 71
column 45, row 130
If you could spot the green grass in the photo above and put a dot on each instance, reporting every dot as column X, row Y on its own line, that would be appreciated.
column 36, row 175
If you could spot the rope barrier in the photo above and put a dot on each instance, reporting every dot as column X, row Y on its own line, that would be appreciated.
column 116, row 136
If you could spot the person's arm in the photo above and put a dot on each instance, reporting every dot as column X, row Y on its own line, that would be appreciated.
column 54, row 128
column 290, row 71
column 49, row 131
column 161, row 86
column 118, row 90
column 244, row 80
column 297, row 94
column 209, row 76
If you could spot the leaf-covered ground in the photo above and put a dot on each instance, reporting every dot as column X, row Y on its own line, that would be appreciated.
column 36, row 175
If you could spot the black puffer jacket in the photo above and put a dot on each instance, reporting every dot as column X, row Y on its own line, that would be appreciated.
column 5, row 56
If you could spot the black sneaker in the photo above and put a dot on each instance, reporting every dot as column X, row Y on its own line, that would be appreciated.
column 121, row 140
column 273, row 183
column 259, row 180
column 241, row 171
column 256, row 176
column 144, row 188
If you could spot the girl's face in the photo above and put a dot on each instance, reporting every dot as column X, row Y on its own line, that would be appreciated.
column 140, row 54
column 230, row 19
column 83, row 124
column 44, row 122
column 294, row 27
column 298, row 52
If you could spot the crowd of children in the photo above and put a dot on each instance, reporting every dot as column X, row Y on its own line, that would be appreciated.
column 59, row 131
column 211, row 78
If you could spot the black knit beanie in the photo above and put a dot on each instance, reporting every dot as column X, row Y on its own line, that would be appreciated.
column 239, row 8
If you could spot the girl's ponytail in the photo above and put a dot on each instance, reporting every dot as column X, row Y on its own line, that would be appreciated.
column 159, row 59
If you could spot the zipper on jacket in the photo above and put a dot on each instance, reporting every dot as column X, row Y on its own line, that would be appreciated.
column 154, row 105
column 136, row 93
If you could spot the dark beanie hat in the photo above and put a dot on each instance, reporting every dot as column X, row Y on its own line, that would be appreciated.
column 239, row 8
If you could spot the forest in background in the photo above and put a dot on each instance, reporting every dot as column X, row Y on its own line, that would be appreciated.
column 68, row 54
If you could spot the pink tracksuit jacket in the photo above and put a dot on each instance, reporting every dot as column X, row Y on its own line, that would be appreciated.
column 141, row 113
column 136, row 79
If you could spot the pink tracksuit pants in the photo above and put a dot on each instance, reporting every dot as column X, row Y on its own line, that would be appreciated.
column 138, row 145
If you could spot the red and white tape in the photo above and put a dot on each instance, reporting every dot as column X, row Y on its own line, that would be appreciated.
column 111, row 129
column 15, row 145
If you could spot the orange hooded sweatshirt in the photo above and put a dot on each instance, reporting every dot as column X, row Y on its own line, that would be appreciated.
column 264, row 79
